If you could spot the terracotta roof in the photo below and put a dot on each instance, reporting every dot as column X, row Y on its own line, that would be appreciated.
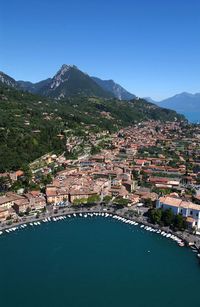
column 178, row 202
column 19, row 173
column 35, row 193
column 138, row 161
column 159, row 179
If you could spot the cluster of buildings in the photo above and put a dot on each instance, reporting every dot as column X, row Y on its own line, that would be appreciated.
column 94, row 176
column 172, row 160
column 12, row 205
column 138, row 163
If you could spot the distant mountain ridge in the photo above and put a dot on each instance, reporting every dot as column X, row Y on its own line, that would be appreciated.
column 184, row 103
column 33, row 88
column 70, row 81
column 117, row 90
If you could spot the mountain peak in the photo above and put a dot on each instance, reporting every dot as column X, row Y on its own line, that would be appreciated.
column 7, row 80
column 183, row 94
column 69, row 81
column 66, row 67
column 62, row 75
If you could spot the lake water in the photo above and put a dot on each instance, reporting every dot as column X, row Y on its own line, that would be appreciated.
column 95, row 262
column 193, row 117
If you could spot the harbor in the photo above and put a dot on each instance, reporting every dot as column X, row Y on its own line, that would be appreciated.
column 179, row 239
column 86, row 257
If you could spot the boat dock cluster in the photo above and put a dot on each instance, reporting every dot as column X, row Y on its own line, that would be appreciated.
column 164, row 234
column 119, row 218
column 95, row 214
column 148, row 228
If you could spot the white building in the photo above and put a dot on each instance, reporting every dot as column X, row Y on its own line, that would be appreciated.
column 188, row 209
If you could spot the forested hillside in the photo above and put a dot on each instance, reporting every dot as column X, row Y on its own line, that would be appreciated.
column 31, row 125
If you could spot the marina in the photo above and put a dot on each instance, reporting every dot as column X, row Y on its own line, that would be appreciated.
column 119, row 218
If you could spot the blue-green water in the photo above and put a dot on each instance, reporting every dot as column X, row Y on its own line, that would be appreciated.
column 193, row 117
column 95, row 262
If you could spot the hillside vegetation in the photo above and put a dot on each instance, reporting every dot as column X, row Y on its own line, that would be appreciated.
column 31, row 125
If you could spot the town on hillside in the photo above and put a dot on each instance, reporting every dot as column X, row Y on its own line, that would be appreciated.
column 151, row 169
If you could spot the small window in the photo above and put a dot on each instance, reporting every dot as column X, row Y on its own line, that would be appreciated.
column 191, row 212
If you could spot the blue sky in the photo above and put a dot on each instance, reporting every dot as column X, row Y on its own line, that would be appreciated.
column 150, row 47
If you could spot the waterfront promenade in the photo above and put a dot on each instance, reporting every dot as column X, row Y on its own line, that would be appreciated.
column 188, row 238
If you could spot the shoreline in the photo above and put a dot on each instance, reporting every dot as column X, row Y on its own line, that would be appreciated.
column 179, row 238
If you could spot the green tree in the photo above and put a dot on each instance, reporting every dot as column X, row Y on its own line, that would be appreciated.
column 107, row 199
column 95, row 150
column 180, row 222
column 79, row 201
column 155, row 215
column 27, row 173
column 4, row 184
column 168, row 217
column 93, row 199
column 46, row 179
column 148, row 202
column 122, row 202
